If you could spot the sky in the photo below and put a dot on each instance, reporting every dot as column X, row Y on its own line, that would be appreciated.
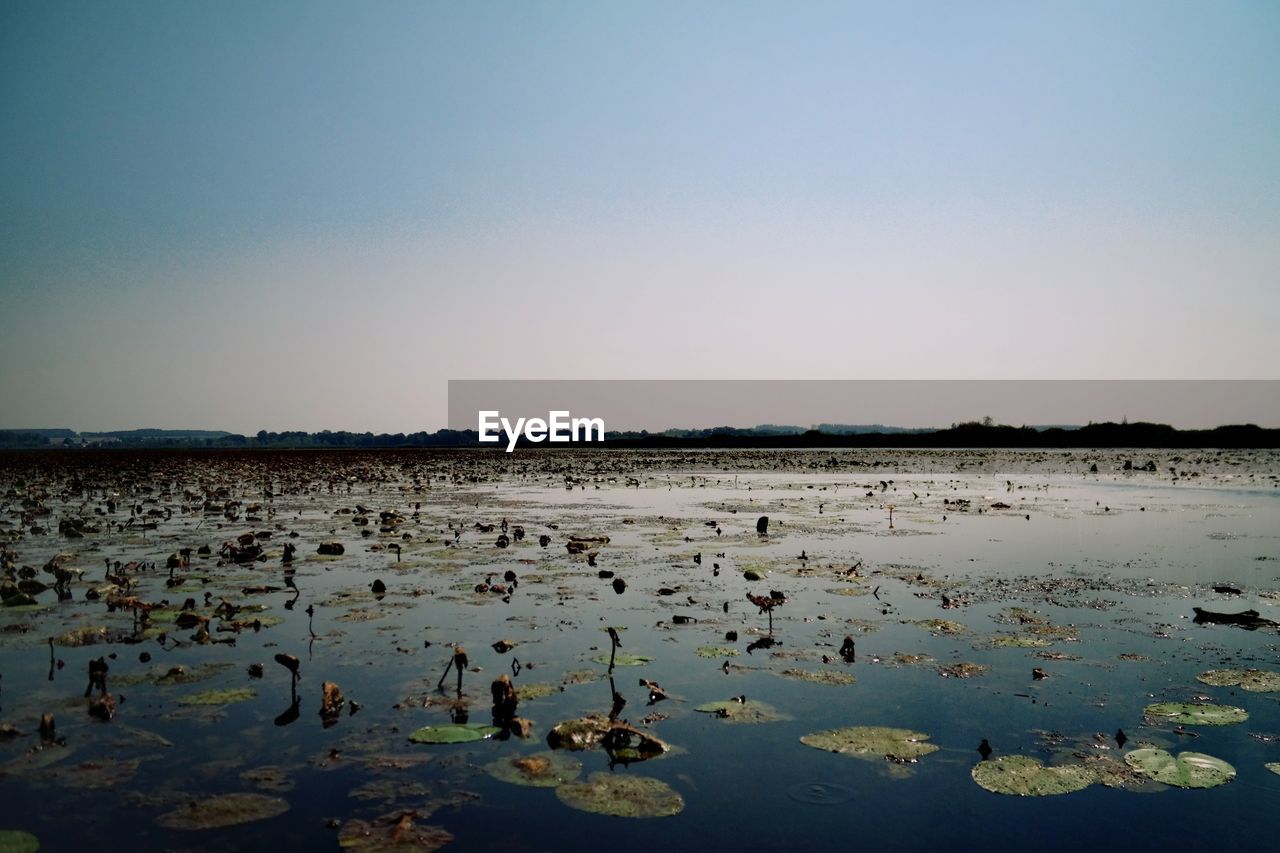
column 312, row 215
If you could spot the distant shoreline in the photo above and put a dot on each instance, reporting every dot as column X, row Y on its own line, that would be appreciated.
column 959, row 436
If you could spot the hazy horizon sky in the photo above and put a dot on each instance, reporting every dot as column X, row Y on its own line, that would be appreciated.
column 311, row 215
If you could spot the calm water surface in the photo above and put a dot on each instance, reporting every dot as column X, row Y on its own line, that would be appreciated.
column 1103, row 570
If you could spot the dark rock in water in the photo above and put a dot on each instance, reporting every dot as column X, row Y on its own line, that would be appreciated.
column 762, row 643
column 751, row 575
column 1121, row 738
column 544, row 540
column 731, row 636
column 619, row 586
column 1039, row 673
column 762, row 525
column 1226, row 590
column 331, row 549
column 847, row 650
column 378, row 587
column 604, row 574
column 984, row 749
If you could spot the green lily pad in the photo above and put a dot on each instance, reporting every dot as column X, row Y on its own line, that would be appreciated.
column 849, row 591
column 1024, row 776
column 1196, row 714
column 749, row 711
column 223, row 810
column 871, row 742
column 622, row 796
column 1253, row 680
column 1187, row 770
column 453, row 733
column 624, row 660
column 820, row 676
column 716, row 652
column 219, row 697
column 540, row 770
column 17, row 841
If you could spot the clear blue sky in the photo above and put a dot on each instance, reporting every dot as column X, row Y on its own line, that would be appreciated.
column 307, row 215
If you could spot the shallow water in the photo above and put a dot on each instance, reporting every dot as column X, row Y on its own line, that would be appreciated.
column 1102, row 566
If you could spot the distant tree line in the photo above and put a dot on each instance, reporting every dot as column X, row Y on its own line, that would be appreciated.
column 983, row 433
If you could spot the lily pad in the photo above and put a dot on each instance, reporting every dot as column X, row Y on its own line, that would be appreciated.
column 748, row 711
column 1196, row 714
column 396, row 830
column 622, row 796
column 219, row 697
column 1015, row 641
column 961, row 670
column 223, row 810
column 593, row 731
column 624, row 660
column 268, row 777
column 1024, row 776
column 17, row 841
column 581, row 676
column 185, row 675
column 77, row 637
column 940, row 626
column 1114, row 773
column 1273, row 766
column 541, row 770
column 1253, row 680
column 97, row 775
column 453, row 733
column 871, row 742
column 716, row 652
column 820, row 676
column 1187, row 770
column 533, row 692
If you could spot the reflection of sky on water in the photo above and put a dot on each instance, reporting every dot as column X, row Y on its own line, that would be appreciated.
column 1117, row 582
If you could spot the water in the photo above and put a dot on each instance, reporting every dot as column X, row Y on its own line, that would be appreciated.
column 1107, row 565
